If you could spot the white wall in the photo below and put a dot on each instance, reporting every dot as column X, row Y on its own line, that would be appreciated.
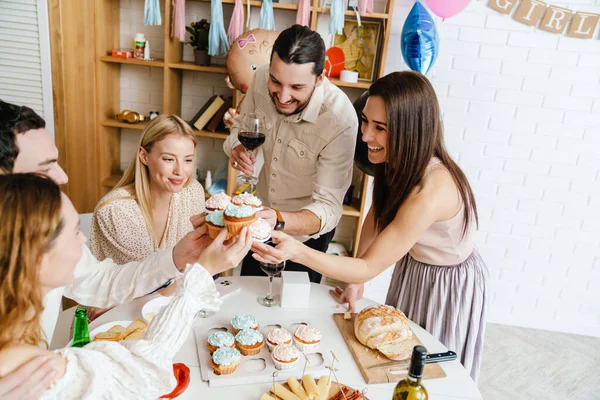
column 522, row 117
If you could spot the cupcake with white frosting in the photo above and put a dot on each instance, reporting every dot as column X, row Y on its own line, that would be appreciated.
column 278, row 336
column 307, row 338
column 247, row 199
column 261, row 230
column 217, row 202
column 285, row 356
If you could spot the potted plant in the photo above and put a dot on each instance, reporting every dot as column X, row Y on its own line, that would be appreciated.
column 199, row 39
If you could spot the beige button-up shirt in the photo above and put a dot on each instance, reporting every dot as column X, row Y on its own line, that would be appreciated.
column 307, row 156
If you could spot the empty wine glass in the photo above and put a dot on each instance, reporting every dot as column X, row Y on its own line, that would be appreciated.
column 251, row 135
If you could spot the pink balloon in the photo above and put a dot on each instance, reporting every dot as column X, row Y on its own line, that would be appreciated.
column 446, row 8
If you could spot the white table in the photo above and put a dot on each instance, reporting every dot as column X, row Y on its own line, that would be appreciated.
column 456, row 385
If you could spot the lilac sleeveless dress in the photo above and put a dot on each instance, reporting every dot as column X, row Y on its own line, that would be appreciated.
column 441, row 285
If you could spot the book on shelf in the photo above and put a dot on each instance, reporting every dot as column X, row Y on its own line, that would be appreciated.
column 208, row 110
column 216, row 123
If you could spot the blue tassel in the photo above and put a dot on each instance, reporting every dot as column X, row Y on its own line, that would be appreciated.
column 217, row 37
column 336, row 21
column 266, row 19
column 152, row 13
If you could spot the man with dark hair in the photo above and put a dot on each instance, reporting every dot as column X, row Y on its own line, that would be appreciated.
column 26, row 146
column 310, row 133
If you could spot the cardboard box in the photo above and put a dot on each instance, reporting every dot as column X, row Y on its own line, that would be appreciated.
column 122, row 54
column 295, row 290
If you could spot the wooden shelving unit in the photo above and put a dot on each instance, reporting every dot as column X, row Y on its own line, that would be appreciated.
column 108, row 88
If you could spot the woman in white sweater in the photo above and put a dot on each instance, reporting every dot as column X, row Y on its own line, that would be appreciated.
column 40, row 244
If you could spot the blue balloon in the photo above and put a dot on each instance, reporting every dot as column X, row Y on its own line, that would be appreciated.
column 419, row 42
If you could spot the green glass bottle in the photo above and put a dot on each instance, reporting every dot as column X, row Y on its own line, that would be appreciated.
column 81, row 332
column 411, row 388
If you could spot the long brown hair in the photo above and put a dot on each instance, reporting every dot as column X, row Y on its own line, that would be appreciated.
column 415, row 137
column 137, row 178
column 30, row 211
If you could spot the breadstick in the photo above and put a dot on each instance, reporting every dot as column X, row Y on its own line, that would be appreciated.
column 266, row 397
column 309, row 385
column 282, row 392
column 297, row 389
column 324, row 386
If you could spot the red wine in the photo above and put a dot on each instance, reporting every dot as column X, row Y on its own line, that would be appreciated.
column 251, row 140
column 272, row 269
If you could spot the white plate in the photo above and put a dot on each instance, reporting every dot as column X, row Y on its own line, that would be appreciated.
column 105, row 327
column 155, row 306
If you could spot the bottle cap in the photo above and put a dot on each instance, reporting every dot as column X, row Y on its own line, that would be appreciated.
column 417, row 362
column 139, row 37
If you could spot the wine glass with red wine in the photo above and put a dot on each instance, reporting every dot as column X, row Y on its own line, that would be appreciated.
column 251, row 135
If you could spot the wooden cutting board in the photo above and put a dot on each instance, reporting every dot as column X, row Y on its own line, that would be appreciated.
column 366, row 357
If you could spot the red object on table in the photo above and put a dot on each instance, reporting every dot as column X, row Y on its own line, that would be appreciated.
column 122, row 54
column 182, row 374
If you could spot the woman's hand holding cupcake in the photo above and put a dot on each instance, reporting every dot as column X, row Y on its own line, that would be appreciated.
column 287, row 248
column 219, row 256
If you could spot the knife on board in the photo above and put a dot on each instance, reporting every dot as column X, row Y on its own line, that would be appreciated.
column 431, row 358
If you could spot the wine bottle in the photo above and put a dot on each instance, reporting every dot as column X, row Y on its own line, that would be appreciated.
column 81, row 332
column 411, row 387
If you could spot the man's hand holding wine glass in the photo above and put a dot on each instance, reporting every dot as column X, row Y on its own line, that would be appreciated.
column 241, row 161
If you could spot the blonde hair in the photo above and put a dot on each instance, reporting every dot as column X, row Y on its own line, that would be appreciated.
column 137, row 177
column 30, row 209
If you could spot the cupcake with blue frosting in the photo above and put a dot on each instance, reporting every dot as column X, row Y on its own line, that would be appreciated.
column 243, row 321
column 215, row 223
column 237, row 217
column 249, row 342
column 220, row 339
column 225, row 360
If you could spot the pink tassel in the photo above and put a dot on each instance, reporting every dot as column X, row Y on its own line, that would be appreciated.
column 365, row 6
column 236, row 25
column 178, row 24
column 303, row 15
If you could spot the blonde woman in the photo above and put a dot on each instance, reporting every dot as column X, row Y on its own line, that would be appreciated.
column 150, row 208
column 39, row 250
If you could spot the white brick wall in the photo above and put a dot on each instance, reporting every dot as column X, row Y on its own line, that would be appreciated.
column 522, row 117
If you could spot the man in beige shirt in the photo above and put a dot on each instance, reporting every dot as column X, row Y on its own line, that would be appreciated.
column 310, row 129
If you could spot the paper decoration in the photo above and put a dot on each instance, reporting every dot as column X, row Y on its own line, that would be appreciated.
column 555, row 19
column 503, row 6
column 583, row 25
column 550, row 18
column 530, row 12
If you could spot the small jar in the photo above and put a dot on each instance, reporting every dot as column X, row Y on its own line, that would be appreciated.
column 139, row 44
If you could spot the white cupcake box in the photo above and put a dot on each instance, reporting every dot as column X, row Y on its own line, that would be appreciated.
column 260, row 368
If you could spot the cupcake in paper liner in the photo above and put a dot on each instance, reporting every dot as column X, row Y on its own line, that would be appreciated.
column 285, row 356
column 237, row 217
column 217, row 202
column 307, row 338
column 243, row 321
column 249, row 341
column 247, row 199
column 215, row 223
column 225, row 360
column 278, row 336
column 261, row 230
column 220, row 339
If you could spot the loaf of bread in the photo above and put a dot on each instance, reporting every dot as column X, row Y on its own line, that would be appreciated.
column 386, row 329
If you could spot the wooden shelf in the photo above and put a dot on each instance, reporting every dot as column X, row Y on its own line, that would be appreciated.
column 357, row 85
column 190, row 66
column 132, row 61
column 112, row 180
column 276, row 6
column 349, row 13
column 124, row 125
column 351, row 211
column 213, row 135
